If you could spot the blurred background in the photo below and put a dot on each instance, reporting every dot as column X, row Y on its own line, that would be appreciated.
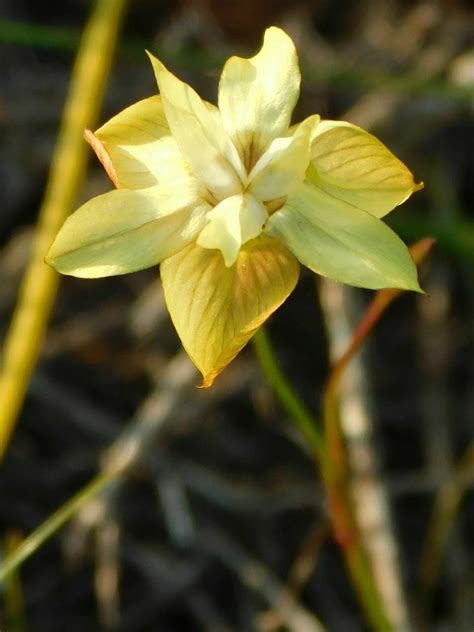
column 223, row 513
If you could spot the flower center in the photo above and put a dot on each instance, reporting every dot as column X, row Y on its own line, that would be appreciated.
column 259, row 189
column 232, row 223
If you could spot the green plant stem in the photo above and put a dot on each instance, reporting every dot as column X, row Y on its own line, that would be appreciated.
column 343, row 521
column 67, row 173
column 14, row 601
column 33, row 542
column 288, row 397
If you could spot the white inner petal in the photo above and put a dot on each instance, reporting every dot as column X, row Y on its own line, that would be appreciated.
column 232, row 223
column 275, row 147
column 200, row 136
column 283, row 166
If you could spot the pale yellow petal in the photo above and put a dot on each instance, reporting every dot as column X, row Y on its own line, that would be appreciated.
column 124, row 231
column 140, row 146
column 199, row 134
column 283, row 166
column 222, row 232
column 342, row 242
column 216, row 309
column 257, row 95
column 355, row 166
column 253, row 216
column 233, row 222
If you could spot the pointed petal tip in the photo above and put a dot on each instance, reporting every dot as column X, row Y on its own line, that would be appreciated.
column 418, row 289
column 216, row 310
column 411, row 285
column 158, row 66
column 54, row 261
column 418, row 186
column 208, row 380
column 156, row 63
column 355, row 166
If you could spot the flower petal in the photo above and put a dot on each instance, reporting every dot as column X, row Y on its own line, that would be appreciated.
column 355, row 166
column 124, row 231
column 257, row 95
column 233, row 222
column 342, row 242
column 283, row 166
column 199, row 134
column 140, row 146
column 216, row 309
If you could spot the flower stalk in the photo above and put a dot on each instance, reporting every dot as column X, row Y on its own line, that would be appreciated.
column 289, row 399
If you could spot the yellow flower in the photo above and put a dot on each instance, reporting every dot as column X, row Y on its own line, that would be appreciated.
column 229, row 199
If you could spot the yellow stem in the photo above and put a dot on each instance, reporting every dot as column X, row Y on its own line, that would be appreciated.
column 67, row 173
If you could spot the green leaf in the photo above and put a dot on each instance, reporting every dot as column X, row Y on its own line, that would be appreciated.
column 342, row 242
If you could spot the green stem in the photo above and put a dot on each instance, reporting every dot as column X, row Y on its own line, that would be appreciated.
column 288, row 397
column 342, row 514
column 14, row 601
column 36, row 539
